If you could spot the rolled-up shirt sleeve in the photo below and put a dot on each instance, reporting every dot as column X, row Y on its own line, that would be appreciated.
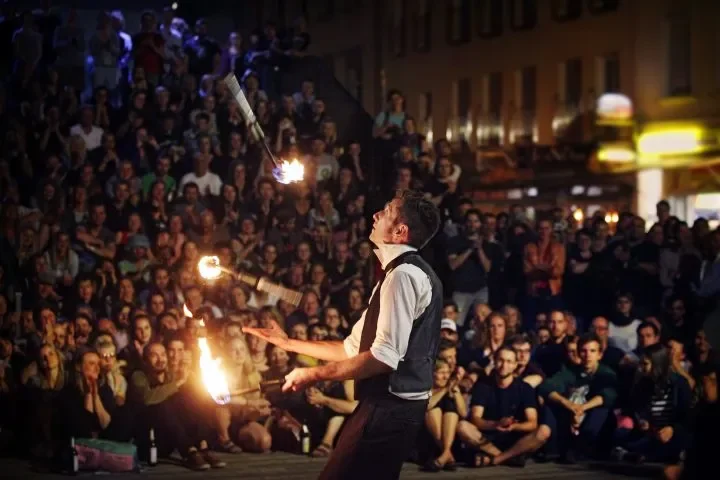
column 404, row 295
column 352, row 342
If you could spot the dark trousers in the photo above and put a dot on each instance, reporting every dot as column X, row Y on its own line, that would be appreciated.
column 592, row 430
column 376, row 439
column 180, row 422
column 648, row 445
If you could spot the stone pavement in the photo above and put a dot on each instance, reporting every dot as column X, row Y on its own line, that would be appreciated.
column 283, row 466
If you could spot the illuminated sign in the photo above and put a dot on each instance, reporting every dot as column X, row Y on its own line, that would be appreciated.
column 613, row 107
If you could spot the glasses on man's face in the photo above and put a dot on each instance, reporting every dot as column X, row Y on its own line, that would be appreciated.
column 519, row 351
column 108, row 356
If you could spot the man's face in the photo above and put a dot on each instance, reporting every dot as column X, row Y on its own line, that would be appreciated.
column 157, row 304
column 86, row 118
column 558, row 324
column 122, row 192
column 162, row 279
column 385, row 228
column 175, row 353
column 449, row 335
column 505, row 363
column 544, row 230
column 647, row 337
column 158, row 358
column 601, row 328
column 85, row 291
column 573, row 355
column 489, row 226
column 99, row 215
column 522, row 353
column 663, row 212
column 473, row 224
column 82, row 327
column 342, row 252
column 624, row 305
column 590, row 355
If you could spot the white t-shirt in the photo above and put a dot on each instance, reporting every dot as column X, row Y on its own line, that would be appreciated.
column 625, row 337
column 92, row 140
column 208, row 182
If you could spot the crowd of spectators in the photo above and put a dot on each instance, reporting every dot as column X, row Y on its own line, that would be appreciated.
column 124, row 159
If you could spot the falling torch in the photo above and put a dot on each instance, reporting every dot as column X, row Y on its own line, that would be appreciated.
column 287, row 172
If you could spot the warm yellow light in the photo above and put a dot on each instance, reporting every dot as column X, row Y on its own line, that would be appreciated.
column 187, row 312
column 449, row 134
column 289, row 172
column 670, row 142
column 614, row 218
column 616, row 154
column 209, row 267
column 578, row 215
column 212, row 374
column 608, row 218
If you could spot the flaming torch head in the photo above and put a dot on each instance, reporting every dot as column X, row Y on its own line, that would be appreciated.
column 209, row 267
column 211, row 370
column 212, row 374
column 289, row 172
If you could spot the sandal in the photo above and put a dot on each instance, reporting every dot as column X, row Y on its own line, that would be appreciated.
column 483, row 460
column 450, row 466
column 321, row 451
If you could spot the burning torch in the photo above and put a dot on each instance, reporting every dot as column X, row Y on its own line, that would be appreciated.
column 287, row 172
column 210, row 269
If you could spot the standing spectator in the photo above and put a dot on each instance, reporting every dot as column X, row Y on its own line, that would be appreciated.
column 106, row 50
column 92, row 135
column 544, row 266
column 202, row 49
column 69, row 45
column 148, row 49
column 470, row 265
column 28, row 49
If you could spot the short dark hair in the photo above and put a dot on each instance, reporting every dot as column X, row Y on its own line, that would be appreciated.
column 420, row 215
column 519, row 339
column 587, row 338
column 646, row 324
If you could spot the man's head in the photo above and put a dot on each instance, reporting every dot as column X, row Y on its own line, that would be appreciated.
column 558, row 324
column 648, row 334
column 505, row 362
column 448, row 330
column 408, row 219
column 156, row 358
column 447, row 352
column 590, row 351
column 601, row 327
column 522, row 346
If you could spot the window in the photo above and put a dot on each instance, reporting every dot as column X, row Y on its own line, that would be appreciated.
column 464, row 89
column 489, row 17
column 679, row 65
column 397, row 28
column 425, row 106
column 458, row 21
column 422, row 26
column 523, row 14
column 603, row 6
column 573, row 82
column 495, row 94
column 529, row 89
column 612, row 73
column 565, row 10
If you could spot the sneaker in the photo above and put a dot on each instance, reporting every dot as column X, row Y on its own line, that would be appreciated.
column 212, row 459
column 196, row 461
column 228, row 447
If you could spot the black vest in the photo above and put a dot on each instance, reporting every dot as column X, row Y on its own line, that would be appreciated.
column 415, row 372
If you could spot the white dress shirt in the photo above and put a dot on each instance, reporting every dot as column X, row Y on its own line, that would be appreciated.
column 404, row 296
column 93, row 138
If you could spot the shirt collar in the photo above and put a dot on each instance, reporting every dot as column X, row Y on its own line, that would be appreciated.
column 387, row 252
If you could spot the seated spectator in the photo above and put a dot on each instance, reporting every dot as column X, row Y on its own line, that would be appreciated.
column 611, row 355
column 503, row 426
column 445, row 409
column 245, row 412
column 89, row 407
column 623, row 324
column 527, row 370
column 172, row 410
column 580, row 399
column 553, row 355
column 110, row 370
column 333, row 402
column 660, row 401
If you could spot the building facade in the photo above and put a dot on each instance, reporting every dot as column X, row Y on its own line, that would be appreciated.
column 500, row 73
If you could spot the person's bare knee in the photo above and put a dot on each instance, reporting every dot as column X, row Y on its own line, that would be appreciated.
column 543, row 433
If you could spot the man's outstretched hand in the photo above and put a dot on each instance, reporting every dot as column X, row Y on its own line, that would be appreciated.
column 272, row 334
column 298, row 379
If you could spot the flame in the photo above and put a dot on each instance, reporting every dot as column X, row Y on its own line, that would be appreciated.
column 212, row 374
column 211, row 370
column 209, row 267
column 289, row 172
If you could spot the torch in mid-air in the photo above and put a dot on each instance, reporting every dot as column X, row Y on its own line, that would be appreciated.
column 285, row 172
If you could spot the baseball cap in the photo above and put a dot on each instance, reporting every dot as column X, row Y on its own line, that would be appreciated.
column 448, row 324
